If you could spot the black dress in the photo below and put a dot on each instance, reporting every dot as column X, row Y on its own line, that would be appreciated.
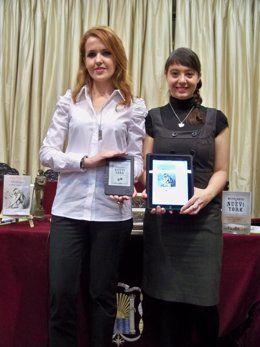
column 183, row 253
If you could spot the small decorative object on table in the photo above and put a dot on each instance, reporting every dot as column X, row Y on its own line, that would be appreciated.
column 39, row 184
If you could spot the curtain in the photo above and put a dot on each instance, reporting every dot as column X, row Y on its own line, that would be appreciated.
column 225, row 35
column 39, row 43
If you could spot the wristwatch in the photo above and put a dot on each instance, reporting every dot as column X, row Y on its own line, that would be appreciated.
column 82, row 166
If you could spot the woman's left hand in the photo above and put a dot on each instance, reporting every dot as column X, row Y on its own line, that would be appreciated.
column 199, row 200
column 119, row 199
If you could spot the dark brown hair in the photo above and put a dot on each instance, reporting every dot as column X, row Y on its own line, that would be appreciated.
column 187, row 57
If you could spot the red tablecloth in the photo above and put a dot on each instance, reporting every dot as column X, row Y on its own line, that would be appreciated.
column 24, row 285
column 240, row 287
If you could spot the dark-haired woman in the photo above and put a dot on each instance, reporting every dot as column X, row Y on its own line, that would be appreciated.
column 183, row 249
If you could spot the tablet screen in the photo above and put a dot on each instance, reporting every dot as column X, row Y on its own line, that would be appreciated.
column 119, row 176
column 169, row 180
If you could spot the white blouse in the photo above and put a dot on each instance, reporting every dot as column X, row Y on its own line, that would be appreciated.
column 75, row 126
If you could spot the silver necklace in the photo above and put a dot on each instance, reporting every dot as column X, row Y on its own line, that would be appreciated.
column 100, row 133
column 181, row 123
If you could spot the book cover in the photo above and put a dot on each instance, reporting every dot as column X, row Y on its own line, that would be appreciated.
column 16, row 195
column 236, row 212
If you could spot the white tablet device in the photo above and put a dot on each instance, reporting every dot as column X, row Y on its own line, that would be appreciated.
column 169, row 180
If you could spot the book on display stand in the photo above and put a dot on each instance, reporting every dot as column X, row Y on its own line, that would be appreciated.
column 17, row 196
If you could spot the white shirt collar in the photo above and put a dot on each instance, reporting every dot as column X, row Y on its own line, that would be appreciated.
column 84, row 93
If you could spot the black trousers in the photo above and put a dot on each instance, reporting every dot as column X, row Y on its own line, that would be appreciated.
column 87, row 251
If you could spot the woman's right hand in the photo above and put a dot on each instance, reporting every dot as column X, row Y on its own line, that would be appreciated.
column 99, row 159
column 158, row 209
column 144, row 194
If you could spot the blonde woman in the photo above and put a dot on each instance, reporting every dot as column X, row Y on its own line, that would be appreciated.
column 99, row 119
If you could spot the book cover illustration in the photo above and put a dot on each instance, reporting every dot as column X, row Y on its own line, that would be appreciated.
column 16, row 195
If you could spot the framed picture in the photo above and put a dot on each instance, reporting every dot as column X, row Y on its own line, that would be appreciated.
column 169, row 180
column 119, row 178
